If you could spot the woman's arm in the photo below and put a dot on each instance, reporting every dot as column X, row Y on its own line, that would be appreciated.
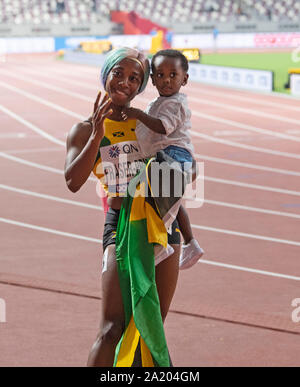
column 83, row 144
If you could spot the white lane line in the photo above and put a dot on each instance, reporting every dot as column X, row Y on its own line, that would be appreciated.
column 50, row 197
column 37, row 165
column 49, row 230
column 248, row 165
column 253, row 100
column 98, row 241
column 48, row 86
column 246, row 235
column 216, row 180
column 211, row 138
column 84, row 85
column 237, row 144
column 256, row 94
column 248, row 111
column 243, row 146
column 31, row 126
column 252, row 186
column 98, row 207
column 41, row 100
column 249, row 270
column 248, row 208
column 31, row 164
column 33, row 150
column 201, row 115
column 248, row 127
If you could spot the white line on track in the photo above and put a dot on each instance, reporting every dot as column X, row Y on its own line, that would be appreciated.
column 50, row 197
column 249, row 270
column 31, row 164
column 195, row 113
column 33, row 150
column 227, row 94
column 83, row 85
column 97, row 207
column 49, row 230
column 98, row 241
column 213, row 179
column 41, row 100
column 91, row 206
column 31, row 126
column 247, row 127
column 48, row 86
column 37, row 165
column 247, row 165
column 257, row 113
column 252, row 186
column 248, row 147
column 246, row 235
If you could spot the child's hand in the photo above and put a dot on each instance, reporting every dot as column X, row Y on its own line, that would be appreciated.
column 129, row 113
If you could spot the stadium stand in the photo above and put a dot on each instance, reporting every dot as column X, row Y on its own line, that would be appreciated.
column 88, row 11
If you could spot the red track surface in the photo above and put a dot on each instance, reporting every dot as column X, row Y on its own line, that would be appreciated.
column 237, row 315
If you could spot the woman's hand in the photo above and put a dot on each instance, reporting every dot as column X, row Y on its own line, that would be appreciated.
column 101, row 111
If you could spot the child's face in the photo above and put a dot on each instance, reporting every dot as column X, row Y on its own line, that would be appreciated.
column 168, row 75
column 124, row 81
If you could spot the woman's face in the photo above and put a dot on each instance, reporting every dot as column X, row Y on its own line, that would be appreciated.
column 124, row 81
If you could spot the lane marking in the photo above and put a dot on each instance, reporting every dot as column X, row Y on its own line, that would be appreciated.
column 41, row 100
column 195, row 113
column 49, row 86
column 252, row 186
column 246, row 235
column 49, row 230
column 248, row 147
column 211, row 138
column 248, row 208
column 249, row 270
column 50, row 197
column 254, row 100
column 94, row 240
column 31, row 164
column 216, row 180
column 31, row 126
column 248, row 127
column 33, row 150
column 97, row 207
column 37, row 165
column 247, row 165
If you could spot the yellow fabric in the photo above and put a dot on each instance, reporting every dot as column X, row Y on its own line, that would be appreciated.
column 156, row 229
column 138, row 204
column 147, row 360
column 128, row 346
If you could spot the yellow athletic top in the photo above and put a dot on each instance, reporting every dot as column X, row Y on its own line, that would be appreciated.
column 119, row 158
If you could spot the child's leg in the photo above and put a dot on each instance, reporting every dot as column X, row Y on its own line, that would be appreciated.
column 184, row 225
column 191, row 251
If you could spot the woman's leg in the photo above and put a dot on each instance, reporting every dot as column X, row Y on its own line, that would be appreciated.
column 112, row 316
column 166, row 280
column 184, row 225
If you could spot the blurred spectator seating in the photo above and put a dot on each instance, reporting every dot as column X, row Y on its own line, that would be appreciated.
column 161, row 11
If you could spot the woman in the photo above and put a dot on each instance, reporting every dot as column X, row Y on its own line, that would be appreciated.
column 124, row 75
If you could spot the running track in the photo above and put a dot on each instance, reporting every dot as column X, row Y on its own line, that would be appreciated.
column 231, row 309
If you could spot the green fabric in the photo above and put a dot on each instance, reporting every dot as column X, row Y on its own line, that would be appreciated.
column 135, row 259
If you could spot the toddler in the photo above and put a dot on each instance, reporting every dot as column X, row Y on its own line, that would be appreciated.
column 164, row 126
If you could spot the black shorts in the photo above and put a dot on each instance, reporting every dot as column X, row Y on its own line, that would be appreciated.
column 111, row 224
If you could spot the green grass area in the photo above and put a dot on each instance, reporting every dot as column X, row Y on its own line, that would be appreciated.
column 278, row 62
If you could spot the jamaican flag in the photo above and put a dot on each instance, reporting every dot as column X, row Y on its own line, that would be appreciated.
column 141, row 228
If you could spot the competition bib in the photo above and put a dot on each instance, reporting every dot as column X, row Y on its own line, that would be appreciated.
column 119, row 158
